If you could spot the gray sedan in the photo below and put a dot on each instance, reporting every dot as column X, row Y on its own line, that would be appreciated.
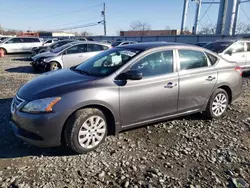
column 68, row 55
column 122, row 88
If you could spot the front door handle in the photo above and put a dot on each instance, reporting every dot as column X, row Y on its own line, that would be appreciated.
column 170, row 85
column 210, row 78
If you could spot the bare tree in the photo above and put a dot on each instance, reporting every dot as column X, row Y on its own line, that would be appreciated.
column 85, row 33
column 143, row 27
column 243, row 28
column 207, row 29
column 168, row 27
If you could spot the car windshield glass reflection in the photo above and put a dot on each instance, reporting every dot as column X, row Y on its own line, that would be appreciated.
column 107, row 62
column 217, row 47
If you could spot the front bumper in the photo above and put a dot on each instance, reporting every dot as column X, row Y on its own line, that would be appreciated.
column 39, row 65
column 43, row 130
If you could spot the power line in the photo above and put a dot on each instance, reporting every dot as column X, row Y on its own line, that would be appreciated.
column 73, row 12
column 76, row 22
column 245, row 13
column 80, row 26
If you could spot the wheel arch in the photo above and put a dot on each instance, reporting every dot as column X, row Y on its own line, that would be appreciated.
column 4, row 49
column 228, row 90
column 110, row 117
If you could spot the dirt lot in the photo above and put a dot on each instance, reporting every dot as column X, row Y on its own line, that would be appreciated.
column 185, row 152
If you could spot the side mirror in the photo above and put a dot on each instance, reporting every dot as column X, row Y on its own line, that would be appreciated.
column 130, row 75
column 229, row 52
column 134, row 75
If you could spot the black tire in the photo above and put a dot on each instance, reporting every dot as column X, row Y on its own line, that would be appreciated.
column 209, row 112
column 4, row 50
column 74, row 124
column 35, row 68
column 53, row 66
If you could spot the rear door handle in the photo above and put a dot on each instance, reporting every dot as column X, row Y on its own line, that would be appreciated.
column 210, row 78
column 80, row 56
column 170, row 85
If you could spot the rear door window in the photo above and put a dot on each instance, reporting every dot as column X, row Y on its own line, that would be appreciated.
column 191, row 59
column 212, row 58
column 94, row 47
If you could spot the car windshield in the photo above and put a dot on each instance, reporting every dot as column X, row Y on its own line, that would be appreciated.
column 107, row 62
column 61, row 48
column 116, row 43
column 218, row 47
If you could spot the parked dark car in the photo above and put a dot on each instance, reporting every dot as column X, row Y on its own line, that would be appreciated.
column 121, row 88
column 57, row 44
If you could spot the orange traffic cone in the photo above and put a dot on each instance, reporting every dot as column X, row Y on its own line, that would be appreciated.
column 1, row 53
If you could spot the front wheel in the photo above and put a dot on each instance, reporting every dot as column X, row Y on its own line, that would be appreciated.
column 217, row 104
column 85, row 130
column 53, row 66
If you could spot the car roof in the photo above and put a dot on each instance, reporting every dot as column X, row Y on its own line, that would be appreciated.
column 89, row 42
column 149, row 45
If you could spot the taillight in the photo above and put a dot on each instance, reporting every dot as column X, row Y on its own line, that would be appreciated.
column 239, row 70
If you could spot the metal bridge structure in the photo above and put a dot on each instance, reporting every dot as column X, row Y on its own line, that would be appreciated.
column 227, row 15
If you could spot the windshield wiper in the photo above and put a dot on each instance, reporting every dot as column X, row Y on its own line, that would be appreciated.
column 81, row 71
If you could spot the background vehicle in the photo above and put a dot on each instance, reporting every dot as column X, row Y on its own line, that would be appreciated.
column 49, row 42
column 96, row 98
column 120, row 43
column 3, row 38
column 233, row 50
column 201, row 44
column 57, row 44
column 68, row 55
column 20, row 44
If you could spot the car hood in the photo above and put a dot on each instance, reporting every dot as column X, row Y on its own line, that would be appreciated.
column 44, row 54
column 54, row 83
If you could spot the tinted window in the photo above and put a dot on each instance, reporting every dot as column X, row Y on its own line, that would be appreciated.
column 158, row 63
column 35, row 40
column 236, row 48
column 58, row 44
column 212, row 58
column 94, row 47
column 218, row 47
column 77, row 49
column 190, row 59
column 14, row 40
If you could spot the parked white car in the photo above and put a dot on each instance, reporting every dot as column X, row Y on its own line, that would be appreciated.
column 68, row 55
column 233, row 50
column 20, row 44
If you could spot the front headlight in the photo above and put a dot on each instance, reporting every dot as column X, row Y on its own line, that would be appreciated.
column 41, row 105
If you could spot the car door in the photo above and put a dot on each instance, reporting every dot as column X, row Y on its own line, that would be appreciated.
column 197, row 78
column 73, row 55
column 155, row 95
column 13, row 45
column 248, row 55
column 26, row 44
column 237, row 53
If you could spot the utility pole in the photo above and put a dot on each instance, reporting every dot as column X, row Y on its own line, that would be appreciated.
column 104, row 19
column 184, row 16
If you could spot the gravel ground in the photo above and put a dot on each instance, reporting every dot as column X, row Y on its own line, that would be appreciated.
column 185, row 152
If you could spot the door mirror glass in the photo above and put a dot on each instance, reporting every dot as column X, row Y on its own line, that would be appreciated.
column 229, row 52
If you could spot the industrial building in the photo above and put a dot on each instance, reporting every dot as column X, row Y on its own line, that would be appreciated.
column 153, row 33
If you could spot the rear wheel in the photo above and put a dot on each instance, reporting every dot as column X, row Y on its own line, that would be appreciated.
column 54, row 66
column 217, row 104
column 85, row 130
